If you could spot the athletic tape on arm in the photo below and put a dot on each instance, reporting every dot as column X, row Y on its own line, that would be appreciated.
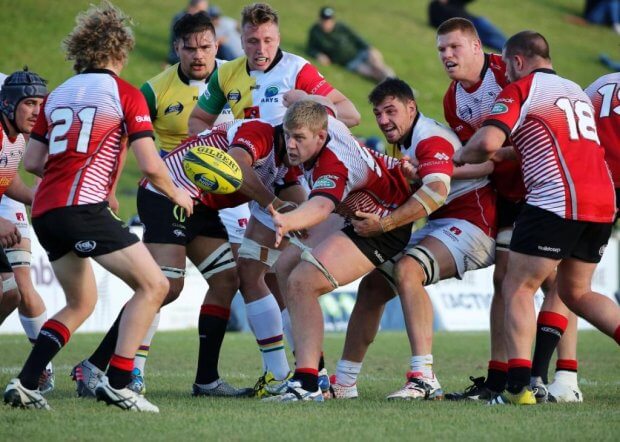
column 436, row 197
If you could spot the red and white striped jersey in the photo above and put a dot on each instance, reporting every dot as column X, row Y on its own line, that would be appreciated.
column 11, row 153
column 605, row 96
column 257, row 137
column 551, row 123
column 433, row 145
column 356, row 178
column 86, row 123
column 465, row 110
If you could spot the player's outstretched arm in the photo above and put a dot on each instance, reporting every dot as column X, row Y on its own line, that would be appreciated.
column 200, row 120
column 35, row 157
column 154, row 169
column 345, row 109
column 309, row 214
column 485, row 142
column 252, row 186
column 19, row 191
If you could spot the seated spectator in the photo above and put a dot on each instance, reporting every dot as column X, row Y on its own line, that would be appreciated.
column 442, row 10
column 334, row 42
column 193, row 6
column 227, row 32
column 603, row 12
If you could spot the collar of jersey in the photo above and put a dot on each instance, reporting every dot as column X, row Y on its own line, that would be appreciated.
column 273, row 64
column 98, row 71
column 544, row 71
column 409, row 136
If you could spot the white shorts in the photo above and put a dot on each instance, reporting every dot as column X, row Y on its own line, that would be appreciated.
column 261, row 215
column 470, row 248
column 15, row 212
column 235, row 219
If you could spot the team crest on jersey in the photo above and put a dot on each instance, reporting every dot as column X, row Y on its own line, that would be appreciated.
column 499, row 108
column 325, row 182
column 85, row 246
column 465, row 112
column 234, row 95
column 178, row 108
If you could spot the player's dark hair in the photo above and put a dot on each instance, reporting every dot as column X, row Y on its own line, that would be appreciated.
column 457, row 24
column 529, row 44
column 257, row 14
column 191, row 24
column 391, row 87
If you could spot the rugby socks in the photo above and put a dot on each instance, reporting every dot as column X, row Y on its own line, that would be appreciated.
column 266, row 323
column 308, row 377
column 496, row 376
column 53, row 336
column 119, row 371
column 347, row 372
column 566, row 371
column 617, row 335
column 143, row 351
column 32, row 326
column 422, row 364
column 321, row 362
column 519, row 373
column 211, row 329
column 287, row 327
column 549, row 330
column 102, row 355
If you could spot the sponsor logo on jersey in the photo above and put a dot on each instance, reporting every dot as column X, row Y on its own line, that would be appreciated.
column 325, row 182
column 254, row 87
column 247, row 143
column 234, row 95
column 505, row 100
column 499, row 108
column 441, row 156
column 271, row 91
column 318, row 86
column 85, row 246
column 177, row 107
column 465, row 112
column 143, row 118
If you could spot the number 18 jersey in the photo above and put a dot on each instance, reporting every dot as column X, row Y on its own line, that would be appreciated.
column 86, row 123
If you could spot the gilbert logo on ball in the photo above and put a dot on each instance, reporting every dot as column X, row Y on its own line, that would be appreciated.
column 212, row 170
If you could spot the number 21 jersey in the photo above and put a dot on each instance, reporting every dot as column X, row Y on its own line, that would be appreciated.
column 86, row 123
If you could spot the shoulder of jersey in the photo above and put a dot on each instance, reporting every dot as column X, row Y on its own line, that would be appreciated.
column 428, row 127
column 166, row 76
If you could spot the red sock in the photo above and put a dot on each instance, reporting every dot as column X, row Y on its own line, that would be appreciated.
column 617, row 335
column 566, row 365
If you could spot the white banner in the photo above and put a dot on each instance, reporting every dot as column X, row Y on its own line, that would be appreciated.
column 459, row 305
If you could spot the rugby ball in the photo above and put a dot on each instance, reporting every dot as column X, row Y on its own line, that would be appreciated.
column 212, row 170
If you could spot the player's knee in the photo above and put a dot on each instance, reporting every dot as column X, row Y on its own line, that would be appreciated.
column 224, row 285
column 10, row 298
column 300, row 282
column 174, row 290
column 372, row 292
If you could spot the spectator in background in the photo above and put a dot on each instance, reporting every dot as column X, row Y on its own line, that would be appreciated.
column 228, row 35
column 599, row 12
column 442, row 10
column 334, row 42
column 193, row 6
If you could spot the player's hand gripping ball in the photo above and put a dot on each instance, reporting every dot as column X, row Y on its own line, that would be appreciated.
column 212, row 170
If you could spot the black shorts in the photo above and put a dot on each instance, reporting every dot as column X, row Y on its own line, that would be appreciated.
column 539, row 232
column 5, row 265
column 86, row 230
column 383, row 247
column 166, row 223
column 617, row 205
column 507, row 212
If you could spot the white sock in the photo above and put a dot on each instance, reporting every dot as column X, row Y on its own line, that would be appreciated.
column 143, row 351
column 32, row 326
column 287, row 327
column 566, row 377
column 422, row 364
column 266, row 322
column 347, row 372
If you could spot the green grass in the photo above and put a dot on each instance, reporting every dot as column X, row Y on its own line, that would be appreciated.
column 171, row 369
column 33, row 30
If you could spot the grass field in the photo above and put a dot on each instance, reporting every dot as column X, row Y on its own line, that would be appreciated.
column 171, row 369
column 33, row 30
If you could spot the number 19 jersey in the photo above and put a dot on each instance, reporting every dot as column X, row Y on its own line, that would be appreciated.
column 86, row 123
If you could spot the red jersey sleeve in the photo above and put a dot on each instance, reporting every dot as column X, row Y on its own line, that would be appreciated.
column 434, row 155
column 256, row 137
column 506, row 111
column 39, row 131
column 329, row 177
column 135, row 110
column 310, row 80
column 292, row 177
column 463, row 130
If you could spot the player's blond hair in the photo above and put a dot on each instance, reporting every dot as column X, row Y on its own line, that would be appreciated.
column 257, row 14
column 102, row 35
column 306, row 113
